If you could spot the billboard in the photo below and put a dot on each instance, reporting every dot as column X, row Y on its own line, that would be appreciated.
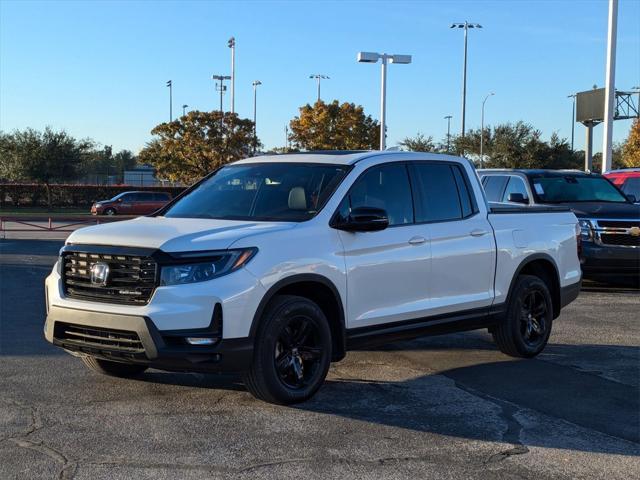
column 590, row 105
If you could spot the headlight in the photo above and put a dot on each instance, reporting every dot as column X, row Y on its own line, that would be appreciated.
column 204, row 266
column 586, row 228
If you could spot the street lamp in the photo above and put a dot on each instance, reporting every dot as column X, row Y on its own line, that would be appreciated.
column 482, row 130
column 318, row 77
column 232, row 45
column 372, row 57
column 255, row 93
column 184, row 109
column 573, row 119
column 466, row 26
column 170, row 85
column 448, row 119
column 221, row 88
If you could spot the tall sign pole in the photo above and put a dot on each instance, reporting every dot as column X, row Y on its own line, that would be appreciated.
column 610, row 89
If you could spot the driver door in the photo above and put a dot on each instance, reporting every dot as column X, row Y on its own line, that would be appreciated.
column 388, row 270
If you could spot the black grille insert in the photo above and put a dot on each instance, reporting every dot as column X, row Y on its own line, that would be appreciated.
column 131, row 279
column 98, row 339
column 620, row 239
column 618, row 223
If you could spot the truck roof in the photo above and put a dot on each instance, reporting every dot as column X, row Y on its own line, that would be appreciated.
column 340, row 157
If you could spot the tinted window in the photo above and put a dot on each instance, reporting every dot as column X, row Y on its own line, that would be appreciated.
column 574, row 188
column 467, row 198
column 437, row 198
column 145, row 197
column 261, row 191
column 130, row 197
column 494, row 186
column 631, row 186
column 161, row 197
column 384, row 187
column 515, row 185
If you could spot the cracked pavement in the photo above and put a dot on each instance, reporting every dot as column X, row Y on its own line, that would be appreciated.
column 442, row 407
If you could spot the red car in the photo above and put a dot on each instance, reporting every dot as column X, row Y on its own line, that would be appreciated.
column 131, row 203
column 627, row 180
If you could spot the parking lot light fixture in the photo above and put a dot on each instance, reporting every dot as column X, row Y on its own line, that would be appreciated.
column 482, row 130
column 466, row 26
column 184, row 109
column 319, row 77
column 255, row 95
column 448, row 119
column 373, row 57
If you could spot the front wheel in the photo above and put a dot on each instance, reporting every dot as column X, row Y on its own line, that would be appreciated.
column 110, row 212
column 292, row 352
column 525, row 330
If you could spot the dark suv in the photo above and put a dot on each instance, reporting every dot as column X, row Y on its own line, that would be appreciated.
column 131, row 203
column 609, row 220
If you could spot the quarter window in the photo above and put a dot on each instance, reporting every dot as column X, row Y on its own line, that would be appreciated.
column 494, row 186
column 386, row 187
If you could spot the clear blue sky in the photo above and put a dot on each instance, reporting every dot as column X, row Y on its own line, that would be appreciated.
column 98, row 68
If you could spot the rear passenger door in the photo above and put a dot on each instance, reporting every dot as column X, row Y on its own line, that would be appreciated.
column 462, row 244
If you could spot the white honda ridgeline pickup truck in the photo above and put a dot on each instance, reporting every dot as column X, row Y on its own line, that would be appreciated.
column 275, row 266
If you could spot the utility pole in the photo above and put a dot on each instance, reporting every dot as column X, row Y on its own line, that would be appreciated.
column 448, row 119
column 220, row 87
column 610, row 87
column 170, row 85
column 232, row 45
column 573, row 120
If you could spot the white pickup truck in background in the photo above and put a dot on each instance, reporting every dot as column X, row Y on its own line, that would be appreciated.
column 274, row 266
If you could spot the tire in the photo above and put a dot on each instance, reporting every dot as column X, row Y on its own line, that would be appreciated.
column 292, row 352
column 113, row 369
column 110, row 212
column 525, row 330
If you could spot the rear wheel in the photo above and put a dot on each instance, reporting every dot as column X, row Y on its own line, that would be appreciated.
column 525, row 330
column 292, row 352
column 114, row 369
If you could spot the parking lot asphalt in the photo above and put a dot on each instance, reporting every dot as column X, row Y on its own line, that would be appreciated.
column 439, row 407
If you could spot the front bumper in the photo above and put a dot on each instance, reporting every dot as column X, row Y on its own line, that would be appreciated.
column 135, row 339
column 610, row 261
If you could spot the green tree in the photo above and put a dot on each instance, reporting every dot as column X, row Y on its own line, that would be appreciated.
column 419, row 143
column 631, row 147
column 42, row 157
column 193, row 145
column 331, row 126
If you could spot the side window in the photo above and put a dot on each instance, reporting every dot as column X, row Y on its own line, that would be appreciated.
column 387, row 187
column 494, row 186
column 130, row 197
column 144, row 197
column 437, row 198
column 515, row 185
column 467, row 197
column 631, row 186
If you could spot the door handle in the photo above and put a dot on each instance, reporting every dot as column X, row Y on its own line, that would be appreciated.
column 417, row 240
column 478, row 232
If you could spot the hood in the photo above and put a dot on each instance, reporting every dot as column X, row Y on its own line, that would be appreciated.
column 613, row 211
column 173, row 234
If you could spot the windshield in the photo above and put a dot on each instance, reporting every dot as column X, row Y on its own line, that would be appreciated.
column 576, row 189
column 262, row 191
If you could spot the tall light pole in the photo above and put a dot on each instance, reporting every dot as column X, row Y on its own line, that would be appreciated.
column 482, row 130
column 448, row 119
column 170, row 85
column 372, row 57
column 255, row 95
column 610, row 87
column 232, row 45
column 319, row 77
column 573, row 120
column 221, row 88
column 466, row 26
column 184, row 109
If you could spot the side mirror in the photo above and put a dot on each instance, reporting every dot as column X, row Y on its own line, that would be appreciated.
column 364, row 219
column 632, row 198
column 517, row 198
column 120, row 200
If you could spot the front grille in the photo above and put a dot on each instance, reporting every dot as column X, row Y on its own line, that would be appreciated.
column 131, row 279
column 98, row 340
column 618, row 223
column 620, row 239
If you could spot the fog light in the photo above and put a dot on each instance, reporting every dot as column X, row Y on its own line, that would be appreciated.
column 201, row 340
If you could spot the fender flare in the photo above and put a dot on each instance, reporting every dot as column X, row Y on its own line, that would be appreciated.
column 526, row 261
